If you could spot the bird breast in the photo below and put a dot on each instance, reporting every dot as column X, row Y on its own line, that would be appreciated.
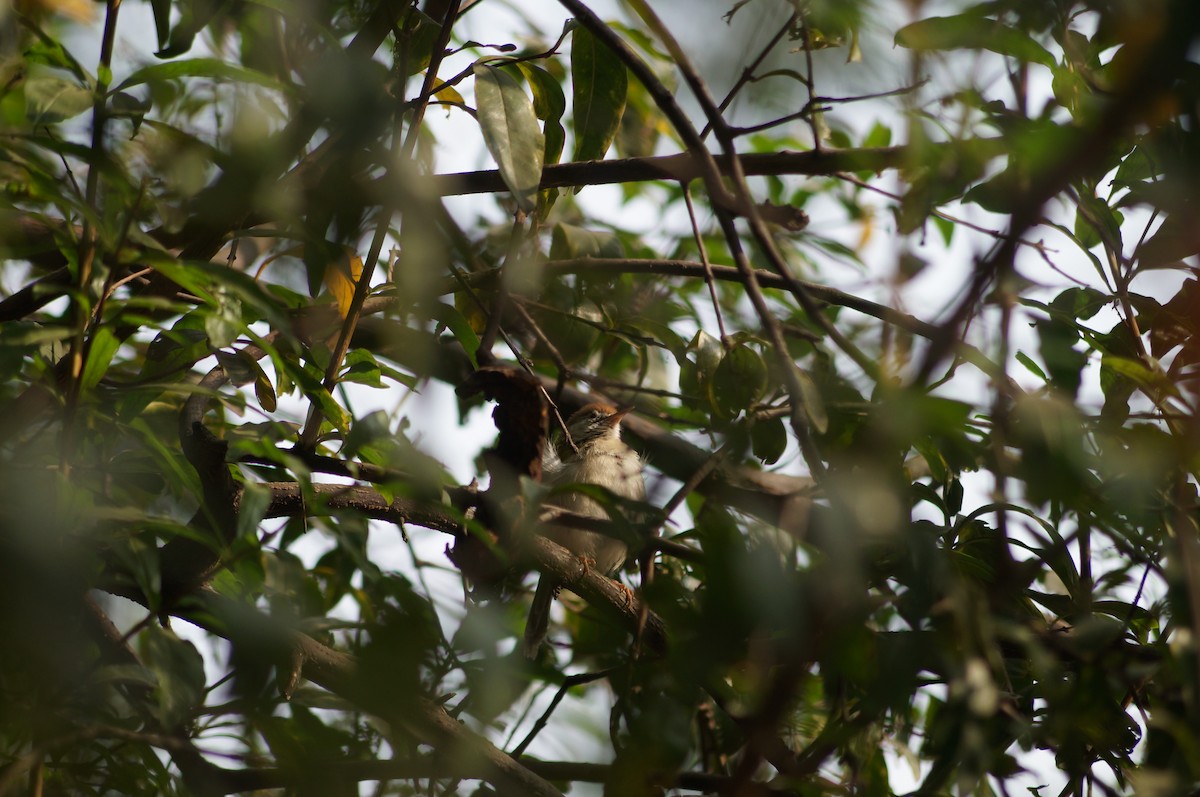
column 608, row 463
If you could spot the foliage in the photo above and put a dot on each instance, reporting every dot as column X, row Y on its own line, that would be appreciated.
column 966, row 539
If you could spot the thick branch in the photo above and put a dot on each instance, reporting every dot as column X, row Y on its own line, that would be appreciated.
column 287, row 500
column 546, row 556
column 436, row 767
column 596, row 588
column 685, row 167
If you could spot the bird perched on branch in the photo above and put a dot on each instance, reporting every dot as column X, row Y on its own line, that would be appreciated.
column 594, row 455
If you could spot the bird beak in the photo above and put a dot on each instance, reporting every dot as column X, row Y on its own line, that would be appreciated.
column 616, row 417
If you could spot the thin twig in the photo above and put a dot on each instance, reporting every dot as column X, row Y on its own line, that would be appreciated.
column 850, row 178
column 362, row 286
column 427, row 94
column 724, row 203
column 810, row 82
column 743, row 201
column 569, row 683
column 89, row 239
column 747, row 75
column 703, row 251
column 110, row 280
column 814, row 105
column 464, row 281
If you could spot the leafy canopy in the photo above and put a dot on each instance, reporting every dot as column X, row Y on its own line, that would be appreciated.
column 904, row 299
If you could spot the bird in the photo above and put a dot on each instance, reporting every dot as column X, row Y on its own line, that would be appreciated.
column 595, row 455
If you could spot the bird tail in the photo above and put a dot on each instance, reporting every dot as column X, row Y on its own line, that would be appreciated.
column 538, row 623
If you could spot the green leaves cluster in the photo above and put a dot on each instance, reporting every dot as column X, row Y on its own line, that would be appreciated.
column 509, row 120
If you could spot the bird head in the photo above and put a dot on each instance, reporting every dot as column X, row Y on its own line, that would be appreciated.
column 594, row 421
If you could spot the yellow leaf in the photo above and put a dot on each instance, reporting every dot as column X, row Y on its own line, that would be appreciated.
column 340, row 278
column 450, row 94
column 78, row 10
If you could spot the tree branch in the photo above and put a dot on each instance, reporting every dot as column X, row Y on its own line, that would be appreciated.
column 546, row 556
column 686, row 167
column 437, row 767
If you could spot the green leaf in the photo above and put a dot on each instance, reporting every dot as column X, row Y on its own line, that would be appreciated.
column 923, row 492
column 458, row 325
column 510, row 130
column 310, row 381
column 194, row 16
column 954, row 496
column 880, row 136
column 162, row 20
column 418, row 40
column 1080, row 303
column 129, row 107
column 549, row 104
column 255, row 501
column 739, row 380
column 362, row 367
column 1094, row 213
column 945, row 227
column 104, row 345
column 199, row 67
column 1174, row 240
column 642, row 124
column 219, row 285
column 224, row 321
column 972, row 32
column 599, row 83
column 141, row 560
column 134, row 674
column 708, row 354
column 264, row 391
column 569, row 242
column 54, row 99
column 365, row 432
column 180, row 672
column 1057, row 349
column 240, row 368
column 1153, row 380
column 768, row 439
column 1137, row 167
column 408, row 380
column 1025, row 360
